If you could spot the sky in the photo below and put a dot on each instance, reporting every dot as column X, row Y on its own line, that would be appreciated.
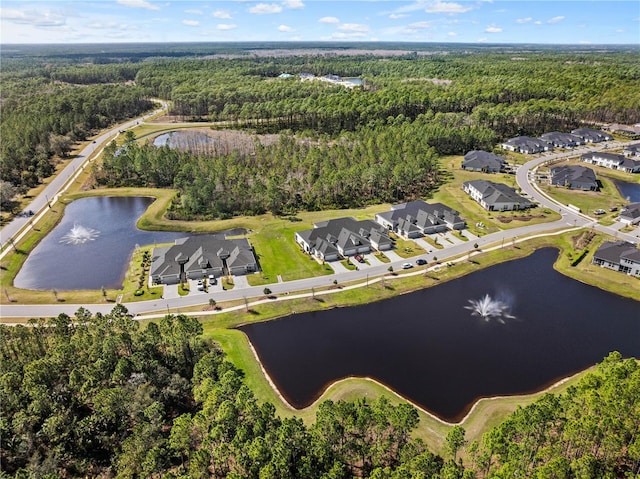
column 459, row 21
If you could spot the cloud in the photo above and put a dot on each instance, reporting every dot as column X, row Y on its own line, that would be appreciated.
column 452, row 34
column 329, row 20
column 285, row 28
column 620, row 30
column 265, row 9
column 353, row 27
column 226, row 26
column 524, row 20
column 555, row 19
column 396, row 16
column 493, row 29
column 193, row 11
column 420, row 25
column 446, row 7
column 293, row 4
column 538, row 22
column 221, row 14
column 138, row 4
column 191, row 23
column 33, row 17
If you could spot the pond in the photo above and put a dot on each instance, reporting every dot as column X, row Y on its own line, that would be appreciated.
column 184, row 140
column 91, row 246
column 433, row 347
column 630, row 191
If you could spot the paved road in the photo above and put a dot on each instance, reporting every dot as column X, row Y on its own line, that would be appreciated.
column 570, row 219
column 58, row 183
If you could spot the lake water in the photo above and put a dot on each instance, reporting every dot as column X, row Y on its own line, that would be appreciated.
column 630, row 191
column 91, row 246
column 431, row 349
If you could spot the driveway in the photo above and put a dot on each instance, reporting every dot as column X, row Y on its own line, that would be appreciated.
column 337, row 267
column 393, row 256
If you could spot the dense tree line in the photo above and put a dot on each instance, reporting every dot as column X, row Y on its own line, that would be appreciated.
column 513, row 93
column 98, row 395
column 42, row 118
column 390, row 161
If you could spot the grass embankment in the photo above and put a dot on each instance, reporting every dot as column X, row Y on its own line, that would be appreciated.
column 488, row 412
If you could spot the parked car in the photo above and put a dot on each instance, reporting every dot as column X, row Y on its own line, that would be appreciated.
column 599, row 212
column 359, row 258
column 613, row 208
column 212, row 279
column 421, row 261
column 407, row 266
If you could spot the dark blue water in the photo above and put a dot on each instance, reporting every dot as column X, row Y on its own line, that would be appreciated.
column 429, row 348
column 102, row 261
column 630, row 191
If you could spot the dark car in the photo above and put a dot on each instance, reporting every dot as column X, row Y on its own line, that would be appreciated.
column 421, row 261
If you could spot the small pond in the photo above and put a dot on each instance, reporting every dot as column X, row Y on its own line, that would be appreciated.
column 434, row 348
column 91, row 246
column 184, row 140
column 630, row 191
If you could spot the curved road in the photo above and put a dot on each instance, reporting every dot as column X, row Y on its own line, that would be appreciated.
column 570, row 219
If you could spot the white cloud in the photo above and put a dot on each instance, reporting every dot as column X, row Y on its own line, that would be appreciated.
column 483, row 40
column 191, row 23
column 226, row 26
column 265, row 9
column 345, row 36
column 396, row 16
column 193, row 11
column 452, row 34
column 285, row 28
column 353, row 27
column 524, row 20
column 438, row 6
column 555, row 19
column 33, row 17
column 293, row 4
column 493, row 29
column 620, row 30
column 420, row 25
column 538, row 22
column 329, row 20
column 221, row 14
column 138, row 4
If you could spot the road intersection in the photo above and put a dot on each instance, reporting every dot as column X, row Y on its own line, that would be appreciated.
column 570, row 219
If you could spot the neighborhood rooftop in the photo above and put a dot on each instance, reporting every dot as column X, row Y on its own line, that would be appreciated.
column 612, row 161
column 575, row 177
column 618, row 256
column 526, row 144
column 201, row 255
column 478, row 160
column 495, row 196
column 331, row 239
column 414, row 218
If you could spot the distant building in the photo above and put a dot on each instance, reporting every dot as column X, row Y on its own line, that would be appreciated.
column 630, row 214
column 632, row 150
column 331, row 239
column 562, row 140
column 618, row 256
column 589, row 135
column 627, row 130
column 495, row 196
column 198, row 256
column 612, row 161
column 415, row 218
column 526, row 144
column 483, row 161
column 574, row 177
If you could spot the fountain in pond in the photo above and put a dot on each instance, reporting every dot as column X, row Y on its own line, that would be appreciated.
column 489, row 308
column 79, row 235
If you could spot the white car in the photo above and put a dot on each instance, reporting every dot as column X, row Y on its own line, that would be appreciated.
column 407, row 266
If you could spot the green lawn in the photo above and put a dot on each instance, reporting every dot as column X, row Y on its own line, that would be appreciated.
column 406, row 248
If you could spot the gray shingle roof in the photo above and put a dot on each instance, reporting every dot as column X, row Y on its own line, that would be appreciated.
column 574, row 175
column 483, row 160
column 493, row 193
column 613, row 252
